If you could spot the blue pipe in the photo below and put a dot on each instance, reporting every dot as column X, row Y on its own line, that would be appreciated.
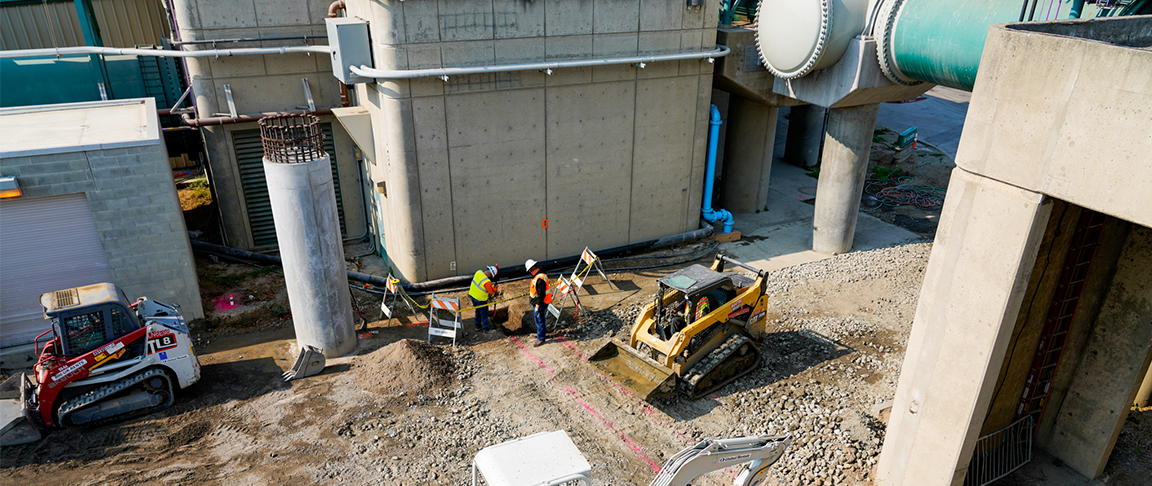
column 1077, row 7
column 711, row 215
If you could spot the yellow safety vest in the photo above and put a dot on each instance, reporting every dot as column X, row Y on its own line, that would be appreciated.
column 478, row 282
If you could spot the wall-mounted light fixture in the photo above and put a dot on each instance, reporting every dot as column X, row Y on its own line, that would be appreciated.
column 9, row 187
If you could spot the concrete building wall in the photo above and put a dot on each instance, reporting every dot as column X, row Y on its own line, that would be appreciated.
column 261, row 84
column 473, row 166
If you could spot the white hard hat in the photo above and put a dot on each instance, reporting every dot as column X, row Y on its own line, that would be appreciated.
column 492, row 269
column 528, row 264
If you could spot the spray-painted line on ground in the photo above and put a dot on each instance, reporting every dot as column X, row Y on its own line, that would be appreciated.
column 643, row 404
column 587, row 407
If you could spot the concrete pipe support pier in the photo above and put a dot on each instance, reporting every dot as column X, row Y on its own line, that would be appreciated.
column 805, row 129
column 748, row 155
column 842, row 174
column 303, row 199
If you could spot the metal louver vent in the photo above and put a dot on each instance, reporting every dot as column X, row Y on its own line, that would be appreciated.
column 67, row 298
column 250, row 161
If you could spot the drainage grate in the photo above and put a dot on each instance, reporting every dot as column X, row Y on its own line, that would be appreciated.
column 1000, row 453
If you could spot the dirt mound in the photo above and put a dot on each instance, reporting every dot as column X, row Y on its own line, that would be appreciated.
column 407, row 366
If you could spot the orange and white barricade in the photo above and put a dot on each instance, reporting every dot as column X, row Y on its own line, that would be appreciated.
column 443, row 327
column 393, row 288
column 589, row 261
column 563, row 289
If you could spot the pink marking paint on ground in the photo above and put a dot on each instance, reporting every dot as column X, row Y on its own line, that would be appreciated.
column 583, row 357
column 623, row 437
column 643, row 404
column 224, row 303
column 588, row 407
column 539, row 362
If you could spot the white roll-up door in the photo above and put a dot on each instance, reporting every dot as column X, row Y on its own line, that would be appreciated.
column 46, row 244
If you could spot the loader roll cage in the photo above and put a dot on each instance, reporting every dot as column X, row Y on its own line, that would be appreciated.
column 694, row 282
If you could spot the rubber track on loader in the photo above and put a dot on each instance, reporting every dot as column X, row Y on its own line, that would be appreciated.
column 722, row 366
column 105, row 391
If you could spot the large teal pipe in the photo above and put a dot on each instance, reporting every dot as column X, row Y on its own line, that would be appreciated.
column 938, row 42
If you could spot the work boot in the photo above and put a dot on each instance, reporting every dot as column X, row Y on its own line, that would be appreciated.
column 538, row 344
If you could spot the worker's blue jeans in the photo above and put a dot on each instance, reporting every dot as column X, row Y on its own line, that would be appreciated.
column 540, row 312
column 481, row 314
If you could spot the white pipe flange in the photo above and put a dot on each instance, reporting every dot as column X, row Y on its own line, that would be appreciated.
column 794, row 38
column 889, row 12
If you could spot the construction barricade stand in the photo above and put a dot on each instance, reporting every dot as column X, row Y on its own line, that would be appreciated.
column 589, row 261
column 446, row 328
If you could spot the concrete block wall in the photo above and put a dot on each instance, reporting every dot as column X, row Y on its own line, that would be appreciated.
column 261, row 84
column 474, row 165
column 136, row 211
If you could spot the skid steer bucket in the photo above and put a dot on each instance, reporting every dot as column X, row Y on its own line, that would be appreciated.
column 15, row 429
column 309, row 362
column 638, row 373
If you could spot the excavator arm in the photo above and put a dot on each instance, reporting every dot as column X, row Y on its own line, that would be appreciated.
column 713, row 455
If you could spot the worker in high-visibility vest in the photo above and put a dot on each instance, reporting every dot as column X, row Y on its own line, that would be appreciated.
column 539, row 296
column 482, row 288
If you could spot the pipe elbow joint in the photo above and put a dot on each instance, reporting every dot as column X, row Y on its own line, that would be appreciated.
column 722, row 216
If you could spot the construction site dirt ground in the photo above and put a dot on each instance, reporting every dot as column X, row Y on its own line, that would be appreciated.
column 399, row 411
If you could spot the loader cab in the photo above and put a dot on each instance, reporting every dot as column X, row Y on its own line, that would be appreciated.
column 699, row 290
column 85, row 318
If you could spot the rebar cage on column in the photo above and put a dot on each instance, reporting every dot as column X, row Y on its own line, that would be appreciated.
column 292, row 139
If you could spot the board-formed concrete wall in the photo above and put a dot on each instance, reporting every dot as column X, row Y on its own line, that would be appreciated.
column 473, row 166
column 261, row 84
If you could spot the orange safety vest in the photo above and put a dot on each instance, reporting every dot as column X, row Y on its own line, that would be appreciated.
column 547, row 291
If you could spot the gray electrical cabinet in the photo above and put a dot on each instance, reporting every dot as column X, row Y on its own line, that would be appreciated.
column 348, row 38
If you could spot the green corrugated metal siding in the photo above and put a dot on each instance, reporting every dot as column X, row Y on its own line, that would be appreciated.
column 123, row 23
column 250, row 160
column 74, row 78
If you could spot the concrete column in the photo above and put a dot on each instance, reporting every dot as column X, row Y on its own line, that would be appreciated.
column 303, row 200
column 977, row 275
column 843, row 169
column 805, row 130
column 1114, row 363
column 750, row 137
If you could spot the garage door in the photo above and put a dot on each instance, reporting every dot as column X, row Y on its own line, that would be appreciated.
column 46, row 244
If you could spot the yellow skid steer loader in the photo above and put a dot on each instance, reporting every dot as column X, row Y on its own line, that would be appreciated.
column 699, row 332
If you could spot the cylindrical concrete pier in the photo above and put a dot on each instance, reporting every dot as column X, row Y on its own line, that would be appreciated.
column 303, row 200
column 805, row 130
column 843, row 169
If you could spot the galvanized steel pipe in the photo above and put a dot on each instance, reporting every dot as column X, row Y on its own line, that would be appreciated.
column 368, row 72
column 255, row 51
